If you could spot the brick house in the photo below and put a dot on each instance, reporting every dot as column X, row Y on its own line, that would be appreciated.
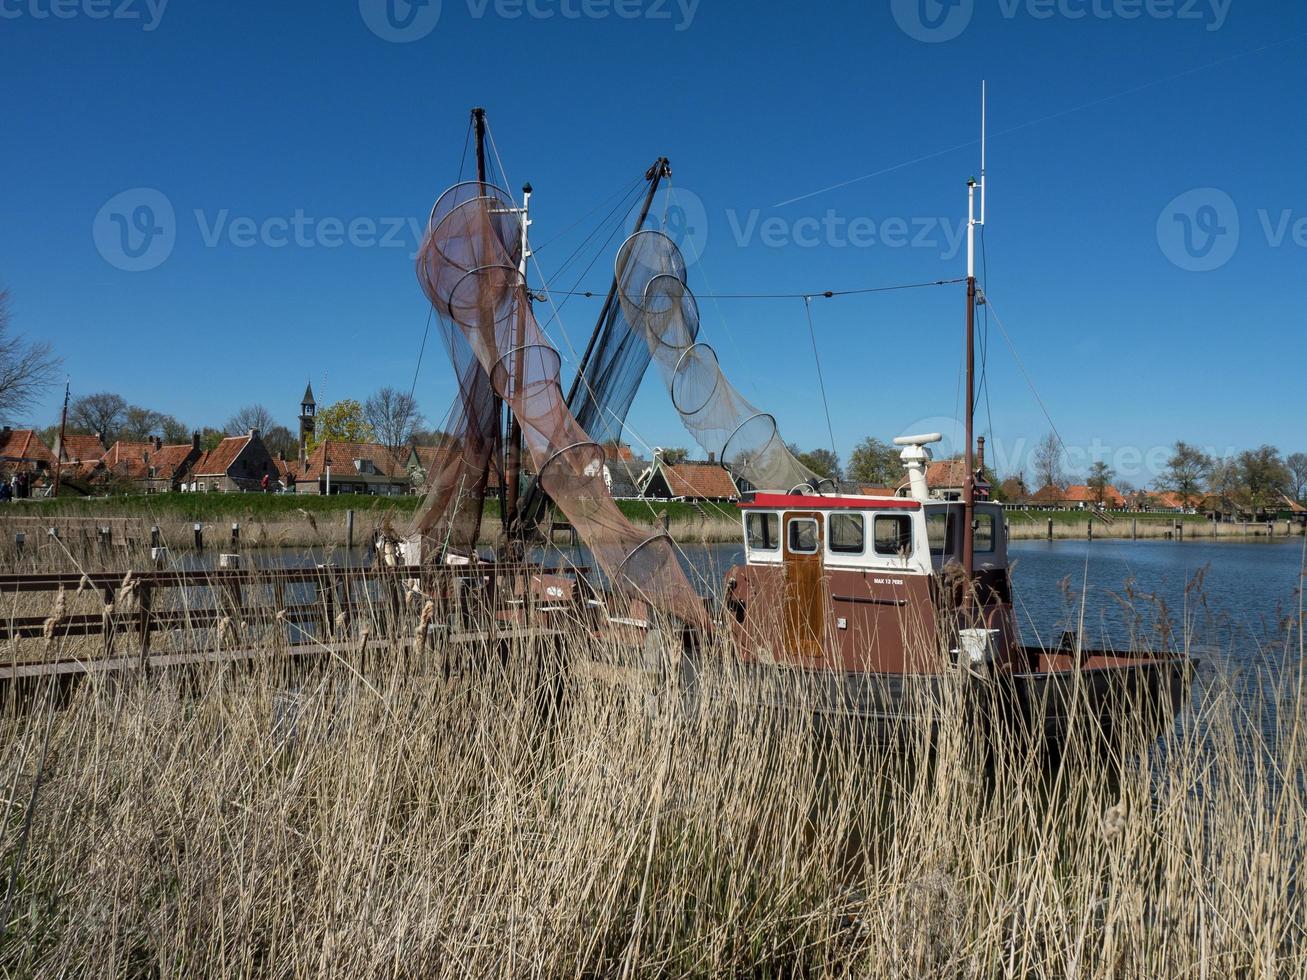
column 1077, row 496
column 691, row 481
column 238, row 463
column 355, row 467
column 946, row 476
column 22, row 449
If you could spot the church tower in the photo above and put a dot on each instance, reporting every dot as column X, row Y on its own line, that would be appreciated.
column 308, row 421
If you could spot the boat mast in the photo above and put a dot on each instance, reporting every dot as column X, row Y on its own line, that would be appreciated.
column 513, row 461
column 479, row 124
column 969, row 478
column 63, row 434
column 661, row 168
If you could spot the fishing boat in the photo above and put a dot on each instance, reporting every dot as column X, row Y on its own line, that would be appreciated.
column 873, row 604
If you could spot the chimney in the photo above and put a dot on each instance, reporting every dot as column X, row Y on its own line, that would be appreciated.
column 195, row 441
column 158, row 444
column 254, row 433
column 99, row 437
column 712, row 456
column 980, row 455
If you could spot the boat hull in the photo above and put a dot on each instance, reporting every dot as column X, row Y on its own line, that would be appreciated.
column 1129, row 702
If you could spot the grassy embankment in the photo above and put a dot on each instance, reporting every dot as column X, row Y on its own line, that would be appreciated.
column 305, row 520
column 431, row 813
column 1071, row 524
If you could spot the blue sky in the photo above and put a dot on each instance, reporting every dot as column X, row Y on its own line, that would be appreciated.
column 1145, row 249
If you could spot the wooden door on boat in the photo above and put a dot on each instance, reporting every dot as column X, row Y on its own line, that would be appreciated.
column 805, row 604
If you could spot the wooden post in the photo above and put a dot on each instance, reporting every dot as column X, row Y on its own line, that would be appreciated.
column 144, row 595
column 20, row 539
column 349, row 535
column 1089, row 527
column 1050, row 529
column 1134, row 529
column 155, row 541
column 235, row 536
column 1179, row 530
column 106, row 539
column 106, row 620
column 199, row 537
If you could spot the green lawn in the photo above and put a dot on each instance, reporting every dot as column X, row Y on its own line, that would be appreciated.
column 272, row 507
column 211, row 506
column 1080, row 516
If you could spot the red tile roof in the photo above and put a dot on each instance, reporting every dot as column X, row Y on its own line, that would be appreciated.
column 76, row 449
column 217, row 461
column 24, row 445
column 340, row 457
column 702, row 481
column 168, row 461
column 1079, row 493
column 127, row 459
column 949, row 473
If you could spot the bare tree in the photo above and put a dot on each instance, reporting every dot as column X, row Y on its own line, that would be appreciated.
column 104, row 412
column 26, row 369
column 279, row 440
column 394, row 417
column 1297, row 463
column 1100, row 478
column 173, row 431
column 250, row 417
column 140, row 424
column 1048, row 461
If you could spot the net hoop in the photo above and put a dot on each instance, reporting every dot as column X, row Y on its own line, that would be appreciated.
column 677, row 375
column 660, row 535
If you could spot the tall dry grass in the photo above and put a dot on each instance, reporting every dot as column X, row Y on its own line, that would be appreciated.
column 571, row 810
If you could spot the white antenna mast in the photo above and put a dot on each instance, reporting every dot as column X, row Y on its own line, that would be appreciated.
column 972, row 220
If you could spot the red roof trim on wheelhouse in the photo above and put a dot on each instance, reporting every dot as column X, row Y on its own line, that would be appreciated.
column 794, row 501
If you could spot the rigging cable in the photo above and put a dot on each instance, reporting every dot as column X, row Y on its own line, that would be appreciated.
column 1029, row 381
column 830, row 429
column 814, row 294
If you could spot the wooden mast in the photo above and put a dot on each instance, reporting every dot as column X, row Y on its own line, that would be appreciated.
column 479, row 124
column 969, row 478
column 532, row 504
column 63, row 434
column 661, row 168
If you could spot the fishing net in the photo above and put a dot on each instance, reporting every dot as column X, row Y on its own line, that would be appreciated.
column 468, row 268
column 660, row 307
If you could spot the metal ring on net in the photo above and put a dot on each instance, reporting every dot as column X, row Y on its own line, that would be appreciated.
column 726, row 445
column 576, row 445
column 676, row 376
column 499, row 374
column 511, row 270
column 482, row 188
column 625, row 253
column 618, row 572
column 510, row 239
column 680, row 298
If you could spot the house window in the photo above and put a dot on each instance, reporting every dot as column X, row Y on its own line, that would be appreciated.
column 847, row 534
column 804, row 536
column 763, row 531
column 894, row 535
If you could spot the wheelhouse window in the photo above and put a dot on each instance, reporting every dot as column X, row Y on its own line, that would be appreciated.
column 983, row 536
column 893, row 535
column 804, row 538
column 940, row 526
column 762, row 531
column 847, row 535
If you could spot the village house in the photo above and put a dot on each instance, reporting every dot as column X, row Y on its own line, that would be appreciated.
column 22, row 451
column 238, row 463
column 354, row 467
column 699, row 482
column 945, row 479
column 1078, row 496
column 426, row 460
